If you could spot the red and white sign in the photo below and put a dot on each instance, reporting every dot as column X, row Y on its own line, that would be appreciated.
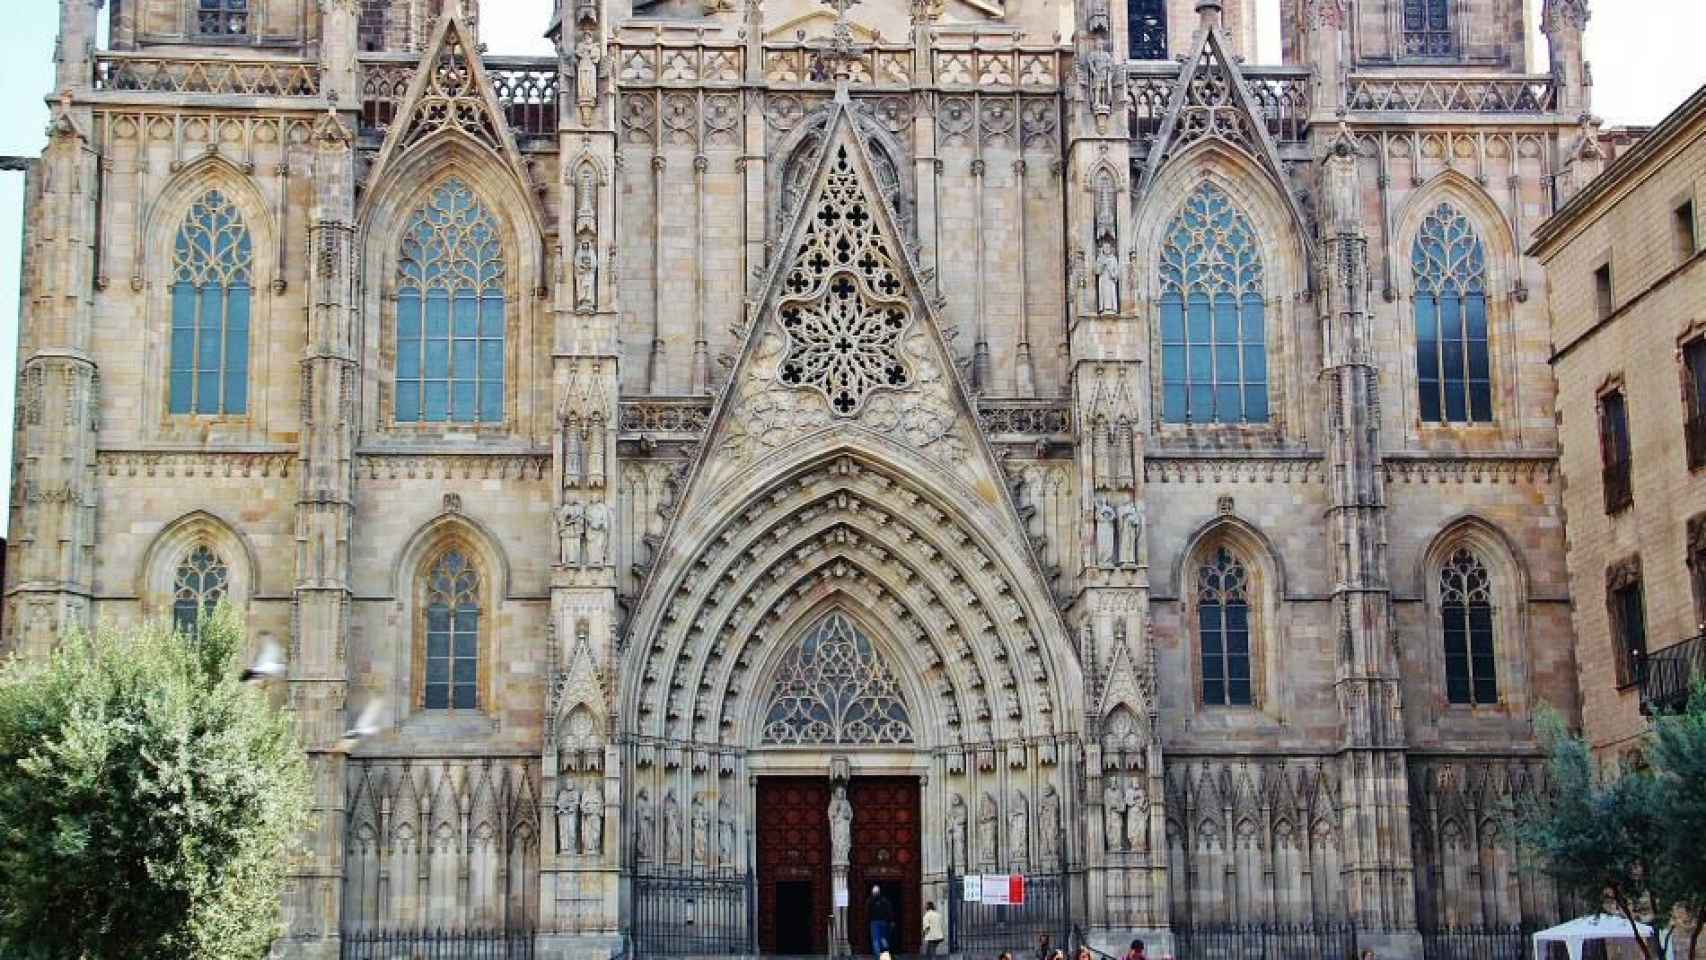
column 1001, row 890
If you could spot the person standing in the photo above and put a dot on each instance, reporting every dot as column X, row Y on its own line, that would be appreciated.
column 933, row 934
column 1136, row 951
column 880, row 912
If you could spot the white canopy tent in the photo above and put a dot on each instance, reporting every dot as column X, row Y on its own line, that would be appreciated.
column 1597, row 926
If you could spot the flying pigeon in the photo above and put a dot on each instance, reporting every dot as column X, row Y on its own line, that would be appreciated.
column 366, row 724
column 268, row 666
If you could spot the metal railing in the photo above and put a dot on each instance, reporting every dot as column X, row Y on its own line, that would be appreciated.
column 1667, row 676
column 693, row 913
column 986, row 928
column 1477, row 943
column 1302, row 941
column 438, row 945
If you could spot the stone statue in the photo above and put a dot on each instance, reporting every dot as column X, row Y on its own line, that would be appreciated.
column 1137, row 814
column 586, row 77
column 592, row 821
column 567, row 841
column 643, row 826
column 988, row 826
column 1107, row 278
column 586, row 274
column 1106, row 533
column 725, row 834
column 1131, row 527
column 597, row 533
column 840, row 825
column 1048, row 825
column 1113, row 814
column 571, row 530
column 957, row 832
column 1018, row 834
column 671, row 829
column 701, row 832
column 1099, row 65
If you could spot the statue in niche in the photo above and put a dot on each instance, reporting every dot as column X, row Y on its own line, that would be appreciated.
column 592, row 821
column 597, row 533
column 571, row 531
column 1018, row 834
column 586, row 77
column 1048, row 825
column 988, row 829
column 1096, row 17
column 840, row 825
column 1131, row 527
column 1099, row 67
column 1137, row 814
column 1107, row 278
column 957, row 817
column 586, row 274
column 671, row 829
column 701, row 832
column 725, row 834
column 567, row 833
column 1106, row 533
column 643, row 826
column 1113, row 814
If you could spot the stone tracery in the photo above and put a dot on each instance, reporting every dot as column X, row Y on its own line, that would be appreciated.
column 833, row 688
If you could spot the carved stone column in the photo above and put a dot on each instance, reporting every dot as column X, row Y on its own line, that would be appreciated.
column 1564, row 22
column 1373, row 780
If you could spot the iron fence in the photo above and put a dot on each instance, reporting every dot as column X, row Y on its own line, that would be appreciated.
column 1667, row 676
column 1301, row 941
column 987, row 928
column 1477, row 943
column 689, row 913
column 438, row 945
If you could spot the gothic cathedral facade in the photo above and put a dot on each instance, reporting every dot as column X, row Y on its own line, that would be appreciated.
column 773, row 446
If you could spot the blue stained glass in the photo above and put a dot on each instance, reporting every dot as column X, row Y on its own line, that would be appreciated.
column 453, row 634
column 1453, row 366
column 1214, row 364
column 451, row 252
column 212, row 268
column 1223, row 630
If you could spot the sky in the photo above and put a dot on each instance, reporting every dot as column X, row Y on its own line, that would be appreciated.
column 1645, row 54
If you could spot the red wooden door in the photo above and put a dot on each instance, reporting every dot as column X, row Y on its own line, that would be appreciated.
column 887, row 843
column 793, row 865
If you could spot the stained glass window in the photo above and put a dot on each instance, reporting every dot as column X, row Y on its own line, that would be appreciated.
column 451, row 312
column 222, row 18
column 833, row 688
column 213, row 261
column 1146, row 29
column 1466, row 600
column 1223, row 630
column 1427, row 28
column 1214, row 347
column 1453, row 367
column 201, row 582
column 453, row 634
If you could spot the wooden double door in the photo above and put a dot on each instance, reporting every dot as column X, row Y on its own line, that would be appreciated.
column 795, row 897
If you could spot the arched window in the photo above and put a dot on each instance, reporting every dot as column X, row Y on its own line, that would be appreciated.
column 1453, row 371
column 202, row 580
column 1466, row 603
column 1427, row 28
column 212, row 286
column 452, row 635
column 451, row 312
column 1223, row 630
column 1214, row 347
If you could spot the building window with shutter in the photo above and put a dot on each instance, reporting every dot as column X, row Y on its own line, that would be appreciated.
column 1614, row 451
column 1694, row 401
column 1627, row 609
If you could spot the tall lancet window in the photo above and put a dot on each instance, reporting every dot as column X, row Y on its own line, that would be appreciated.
column 1146, row 29
column 213, row 262
column 1453, row 369
column 1466, row 603
column 201, row 581
column 452, row 634
column 451, row 312
column 1214, row 347
column 1223, row 630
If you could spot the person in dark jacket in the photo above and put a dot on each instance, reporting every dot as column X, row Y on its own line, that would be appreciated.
column 880, row 912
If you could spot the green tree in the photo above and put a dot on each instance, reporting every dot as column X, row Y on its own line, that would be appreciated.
column 148, row 799
column 1628, row 835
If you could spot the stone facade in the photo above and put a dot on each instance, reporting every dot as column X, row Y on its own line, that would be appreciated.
column 1626, row 279
column 930, row 398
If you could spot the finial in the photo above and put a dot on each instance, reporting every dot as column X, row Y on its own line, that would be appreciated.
column 1210, row 11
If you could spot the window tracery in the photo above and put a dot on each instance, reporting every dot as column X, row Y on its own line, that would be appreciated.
column 844, row 306
column 1223, row 630
column 452, row 312
column 213, row 261
column 1427, row 28
column 1453, row 364
column 1466, row 605
column 1213, row 315
column 201, row 581
column 452, row 634
column 833, row 688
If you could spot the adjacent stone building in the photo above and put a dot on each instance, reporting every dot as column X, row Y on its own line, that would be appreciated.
column 1626, row 274
column 1056, row 442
